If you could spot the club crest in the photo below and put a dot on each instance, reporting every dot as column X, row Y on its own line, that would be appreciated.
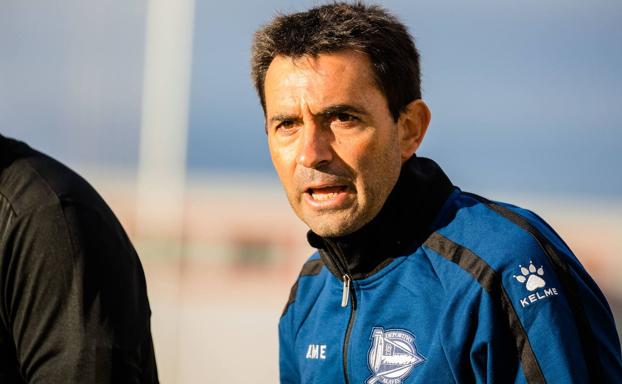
column 392, row 356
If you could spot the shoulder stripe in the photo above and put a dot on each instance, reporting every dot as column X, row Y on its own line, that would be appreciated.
column 310, row 268
column 490, row 281
column 562, row 271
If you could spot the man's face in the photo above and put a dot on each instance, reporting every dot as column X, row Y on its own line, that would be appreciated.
column 332, row 139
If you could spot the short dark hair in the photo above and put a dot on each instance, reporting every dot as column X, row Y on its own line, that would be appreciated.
column 339, row 26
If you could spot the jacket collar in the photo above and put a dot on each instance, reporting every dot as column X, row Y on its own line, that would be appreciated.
column 401, row 226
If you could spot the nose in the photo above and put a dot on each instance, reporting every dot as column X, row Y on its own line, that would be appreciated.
column 315, row 148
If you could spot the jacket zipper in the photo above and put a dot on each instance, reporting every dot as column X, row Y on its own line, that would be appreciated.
column 348, row 294
column 346, row 291
column 346, row 341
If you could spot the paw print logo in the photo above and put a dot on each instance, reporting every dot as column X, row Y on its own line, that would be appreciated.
column 532, row 276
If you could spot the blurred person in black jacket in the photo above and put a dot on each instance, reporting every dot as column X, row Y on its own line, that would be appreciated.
column 73, row 297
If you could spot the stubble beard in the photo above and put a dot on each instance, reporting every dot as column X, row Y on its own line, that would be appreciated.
column 342, row 222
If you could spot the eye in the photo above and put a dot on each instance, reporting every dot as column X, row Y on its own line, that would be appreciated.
column 344, row 117
column 286, row 126
column 344, row 120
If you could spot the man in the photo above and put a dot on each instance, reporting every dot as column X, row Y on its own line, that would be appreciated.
column 73, row 298
column 414, row 280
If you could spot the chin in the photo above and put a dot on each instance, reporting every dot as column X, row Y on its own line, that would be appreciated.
column 330, row 232
column 334, row 228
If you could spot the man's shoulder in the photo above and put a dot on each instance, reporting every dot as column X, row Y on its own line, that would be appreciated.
column 505, row 253
column 500, row 235
column 31, row 180
column 309, row 279
column 312, row 266
column 40, row 197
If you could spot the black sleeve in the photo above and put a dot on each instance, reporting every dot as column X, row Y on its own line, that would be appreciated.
column 74, row 299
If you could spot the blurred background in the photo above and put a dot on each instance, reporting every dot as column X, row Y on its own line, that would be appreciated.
column 151, row 101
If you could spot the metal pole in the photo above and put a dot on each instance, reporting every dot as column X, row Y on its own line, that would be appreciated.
column 166, row 94
column 162, row 166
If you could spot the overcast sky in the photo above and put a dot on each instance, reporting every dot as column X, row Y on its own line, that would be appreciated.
column 525, row 95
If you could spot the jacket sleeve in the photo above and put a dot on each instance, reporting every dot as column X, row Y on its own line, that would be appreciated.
column 537, row 317
column 74, row 299
column 566, row 317
column 557, row 320
column 492, row 338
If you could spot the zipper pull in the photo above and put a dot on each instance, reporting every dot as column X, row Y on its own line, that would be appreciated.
column 346, row 291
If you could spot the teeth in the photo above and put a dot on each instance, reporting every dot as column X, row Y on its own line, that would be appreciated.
column 323, row 196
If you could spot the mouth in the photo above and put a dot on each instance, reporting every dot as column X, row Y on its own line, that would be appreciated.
column 326, row 193
column 327, row 196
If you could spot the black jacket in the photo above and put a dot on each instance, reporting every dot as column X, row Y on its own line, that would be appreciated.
column 73, row 299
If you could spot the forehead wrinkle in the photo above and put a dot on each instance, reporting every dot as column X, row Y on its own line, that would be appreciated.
column 307, row 85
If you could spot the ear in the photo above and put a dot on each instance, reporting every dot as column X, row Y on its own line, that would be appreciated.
column 412, row 126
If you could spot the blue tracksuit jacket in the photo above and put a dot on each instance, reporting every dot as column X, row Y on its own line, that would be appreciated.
column 445, row 286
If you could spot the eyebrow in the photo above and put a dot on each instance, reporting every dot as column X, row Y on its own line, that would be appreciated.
column 281, row 118
column 329, row 111
column 341, row 108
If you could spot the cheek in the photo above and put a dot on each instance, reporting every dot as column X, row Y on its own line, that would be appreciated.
column 366, row 156
column 357, row 152
column 284, row 163
column 379, row 163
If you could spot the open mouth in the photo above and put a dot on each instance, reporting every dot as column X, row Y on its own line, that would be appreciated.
column 326, row 193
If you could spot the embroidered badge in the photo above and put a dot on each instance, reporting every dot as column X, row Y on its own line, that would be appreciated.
column 533, row 280
column 531, row 277
column 392, row 356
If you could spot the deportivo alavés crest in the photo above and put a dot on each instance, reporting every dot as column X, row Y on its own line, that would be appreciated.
column 392, row 356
